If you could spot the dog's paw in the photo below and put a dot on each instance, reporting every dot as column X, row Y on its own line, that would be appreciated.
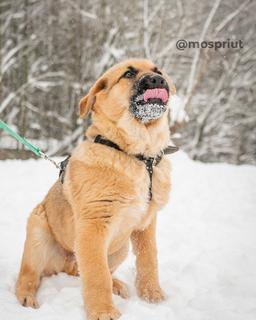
column 120, row 289
column 109, row 313
column 70, row 266
column 152, row 294
column 27, row 300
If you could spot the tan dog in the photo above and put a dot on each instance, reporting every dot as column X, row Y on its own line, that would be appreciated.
column 105, row 199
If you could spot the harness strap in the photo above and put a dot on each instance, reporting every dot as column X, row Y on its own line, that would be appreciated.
column 101, row 140
column 150, row 162
column 63, row 166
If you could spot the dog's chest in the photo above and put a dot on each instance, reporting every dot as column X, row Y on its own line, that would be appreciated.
column 117, row 189
column 154, row 187
column 138, row 214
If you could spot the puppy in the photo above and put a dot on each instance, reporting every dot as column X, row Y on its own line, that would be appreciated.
column 114, row 184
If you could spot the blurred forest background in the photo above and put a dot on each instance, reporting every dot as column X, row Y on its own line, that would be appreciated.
column 51, row 52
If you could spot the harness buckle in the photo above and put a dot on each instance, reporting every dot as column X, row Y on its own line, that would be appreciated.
column 158, row 158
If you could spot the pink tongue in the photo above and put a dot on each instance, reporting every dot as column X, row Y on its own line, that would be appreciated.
column 157, row 93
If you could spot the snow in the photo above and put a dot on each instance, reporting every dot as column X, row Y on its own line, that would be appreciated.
column 206, row 246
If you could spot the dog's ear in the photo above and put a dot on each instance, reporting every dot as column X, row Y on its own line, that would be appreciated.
column 86, row 103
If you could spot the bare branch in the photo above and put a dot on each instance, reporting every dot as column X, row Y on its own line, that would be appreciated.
column 197, row 52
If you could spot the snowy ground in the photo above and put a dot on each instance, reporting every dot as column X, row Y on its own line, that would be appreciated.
column 206, row 241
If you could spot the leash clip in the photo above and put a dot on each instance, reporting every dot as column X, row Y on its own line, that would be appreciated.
column 45, row 157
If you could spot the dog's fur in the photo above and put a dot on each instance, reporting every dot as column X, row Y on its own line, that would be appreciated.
column 88, row 221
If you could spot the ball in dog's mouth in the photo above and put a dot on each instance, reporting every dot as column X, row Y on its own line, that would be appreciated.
column 149, row 105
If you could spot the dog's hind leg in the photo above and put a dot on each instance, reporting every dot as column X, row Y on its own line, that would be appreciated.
column 41, row 256
column 119, row 287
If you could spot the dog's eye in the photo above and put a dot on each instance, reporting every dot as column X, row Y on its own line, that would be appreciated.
column 129, row 74
column 157, row 71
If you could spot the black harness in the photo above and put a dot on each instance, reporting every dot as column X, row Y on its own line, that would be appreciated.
column 150, row 162
column 63, row 166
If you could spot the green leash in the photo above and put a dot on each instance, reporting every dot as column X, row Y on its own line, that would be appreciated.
column 26, row 143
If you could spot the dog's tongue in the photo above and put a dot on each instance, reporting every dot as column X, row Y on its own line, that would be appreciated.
column 157, row 93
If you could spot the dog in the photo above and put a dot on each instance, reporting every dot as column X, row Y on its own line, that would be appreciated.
column 113, row 185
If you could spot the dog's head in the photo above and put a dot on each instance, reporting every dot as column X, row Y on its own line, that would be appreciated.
column 135, row 87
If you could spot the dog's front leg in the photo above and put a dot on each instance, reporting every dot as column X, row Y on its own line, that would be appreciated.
column 144, row 247
column 91, row 252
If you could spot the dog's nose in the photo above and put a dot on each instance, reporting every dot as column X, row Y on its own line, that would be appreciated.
column 152, row 81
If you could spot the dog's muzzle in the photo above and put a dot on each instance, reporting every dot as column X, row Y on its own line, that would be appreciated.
column 150, row 97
